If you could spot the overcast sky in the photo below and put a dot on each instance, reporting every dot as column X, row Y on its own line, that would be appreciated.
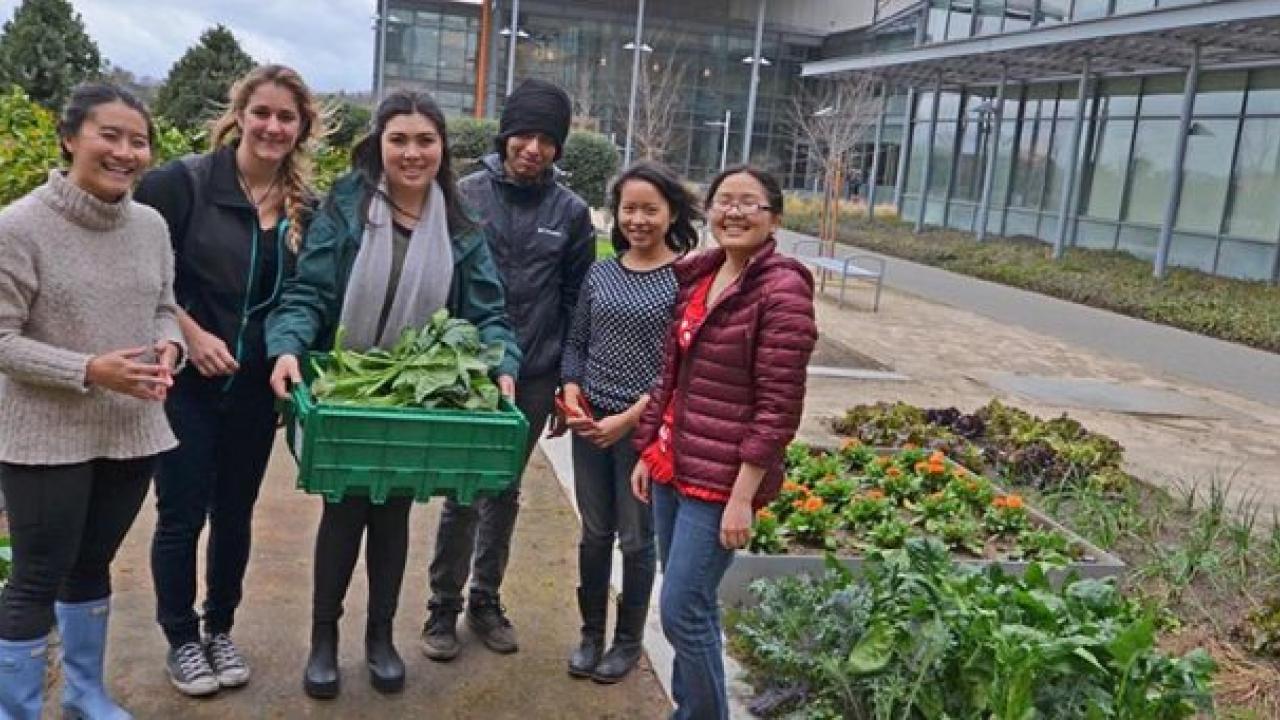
column 329, row 41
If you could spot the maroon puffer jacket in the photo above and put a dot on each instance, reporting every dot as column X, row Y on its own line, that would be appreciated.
column 743, row 378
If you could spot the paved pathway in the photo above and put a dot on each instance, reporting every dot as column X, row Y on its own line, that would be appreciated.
column 274, row 624
column 1204, row 360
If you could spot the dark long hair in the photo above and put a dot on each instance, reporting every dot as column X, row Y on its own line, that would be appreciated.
column 772, row 188
column 681, row 236
column 87, row 96
column 366, row 156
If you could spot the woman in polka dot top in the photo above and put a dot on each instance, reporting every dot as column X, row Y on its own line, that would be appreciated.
column 611, row 360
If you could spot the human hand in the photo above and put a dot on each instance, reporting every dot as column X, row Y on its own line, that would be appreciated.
column 507, row 386
column 640, row 481
column 284, row 375
column 210, row 354
column 735, row 524
column 129, row 372
column 168, row 353
column 607, row 430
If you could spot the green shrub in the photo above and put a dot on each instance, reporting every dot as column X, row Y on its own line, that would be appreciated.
column 589, row 160
column 28, row 145
column 1235, row 310
column 469, row 140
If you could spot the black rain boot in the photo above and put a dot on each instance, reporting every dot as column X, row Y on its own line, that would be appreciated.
column 386, row 669
column 594, row 607
column 320, row 680
column 627, row 638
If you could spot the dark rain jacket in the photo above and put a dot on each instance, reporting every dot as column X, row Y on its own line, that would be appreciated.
column 312, row 299
column 543, row 244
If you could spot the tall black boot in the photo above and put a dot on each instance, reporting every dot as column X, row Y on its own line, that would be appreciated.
column 628, row 636
column 594, row 607
column 320, row 680
column 386, row 669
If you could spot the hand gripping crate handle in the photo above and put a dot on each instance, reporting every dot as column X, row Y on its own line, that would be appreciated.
column 300, row 403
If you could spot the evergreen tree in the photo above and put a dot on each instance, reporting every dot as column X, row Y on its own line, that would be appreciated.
column 197, row 85
column 45, row 51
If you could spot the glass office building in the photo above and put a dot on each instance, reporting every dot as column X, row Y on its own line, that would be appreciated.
column 696, row 59
column 1173, row 156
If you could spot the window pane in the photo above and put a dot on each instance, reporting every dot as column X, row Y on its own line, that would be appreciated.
column 1053, row 11
column 1120, row 97
column 1110, row 159
column 943, row 147
column 1127, row 6
column 989, row 15
column 1059, row 163
column 1162, row 95
column 1251, row 261
column 1264, row 92
column 1255, row 201
column 970, row 163
column 919, row 151
column 1206, row 175
column 960, row 19
column 936, row 29
column 1150, row 169
column 1004, row 162
column 1220, row 93
column 1193, row 251
column 1089, row 9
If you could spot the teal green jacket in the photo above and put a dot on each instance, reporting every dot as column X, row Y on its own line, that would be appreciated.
column 311, row 300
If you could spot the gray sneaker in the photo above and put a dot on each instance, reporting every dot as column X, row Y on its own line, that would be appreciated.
column 488, row 619
column 228, row 664
column 440, row 633
column 190, row 672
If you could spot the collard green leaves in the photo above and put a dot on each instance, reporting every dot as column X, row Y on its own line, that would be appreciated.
column 443, row 365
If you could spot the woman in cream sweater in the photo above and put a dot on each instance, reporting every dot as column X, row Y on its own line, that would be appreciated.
column 89, row 340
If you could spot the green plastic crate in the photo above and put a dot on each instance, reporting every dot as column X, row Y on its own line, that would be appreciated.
column 383, row 452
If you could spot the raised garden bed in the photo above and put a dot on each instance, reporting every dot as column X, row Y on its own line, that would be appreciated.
column 857, row 499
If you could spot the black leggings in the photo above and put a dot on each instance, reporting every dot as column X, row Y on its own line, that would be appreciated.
column 66, row 523
column 338, row 544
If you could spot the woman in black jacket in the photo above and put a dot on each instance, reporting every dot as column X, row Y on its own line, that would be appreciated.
column 236, row 216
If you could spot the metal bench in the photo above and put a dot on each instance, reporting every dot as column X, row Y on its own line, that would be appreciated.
column 845, row 268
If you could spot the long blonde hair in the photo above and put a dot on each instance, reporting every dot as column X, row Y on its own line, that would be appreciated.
column 296, row 170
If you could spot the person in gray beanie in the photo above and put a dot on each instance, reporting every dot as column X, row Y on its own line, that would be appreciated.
column 542, row 240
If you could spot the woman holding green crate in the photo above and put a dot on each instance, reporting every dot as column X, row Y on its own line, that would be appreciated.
column 390, row 246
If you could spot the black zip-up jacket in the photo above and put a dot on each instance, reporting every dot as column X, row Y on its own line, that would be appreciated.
column 228, row 271
column 543, row 244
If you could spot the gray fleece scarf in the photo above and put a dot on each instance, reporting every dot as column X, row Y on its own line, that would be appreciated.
column 424, row 279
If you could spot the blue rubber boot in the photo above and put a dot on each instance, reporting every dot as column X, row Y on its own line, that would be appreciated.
column 22, row 678
column 83, row 628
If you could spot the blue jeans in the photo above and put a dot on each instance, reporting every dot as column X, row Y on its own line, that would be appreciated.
column 693, row 562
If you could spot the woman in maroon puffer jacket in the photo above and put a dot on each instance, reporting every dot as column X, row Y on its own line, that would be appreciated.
column 728, row 402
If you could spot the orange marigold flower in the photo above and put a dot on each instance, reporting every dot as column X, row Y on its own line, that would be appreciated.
column 764, row 514
column 791, row 486
column 937, row 456
column 875, row 494
column 935, row 468
column 813, row 504
column 893, row 472
column 999, row 501
column 797, row 504
column 1013, row 502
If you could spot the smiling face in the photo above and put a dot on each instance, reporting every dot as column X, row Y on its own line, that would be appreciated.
column 741, row 219
column 529, row 155
column 644, row 215
column 270, row 123
column 411, row 152
column 109, row 151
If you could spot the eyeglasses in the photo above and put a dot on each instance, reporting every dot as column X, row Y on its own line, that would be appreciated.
column 746, row 207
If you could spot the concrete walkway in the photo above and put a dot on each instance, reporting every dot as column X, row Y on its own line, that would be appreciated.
column 1204, row 360
column 273, row 626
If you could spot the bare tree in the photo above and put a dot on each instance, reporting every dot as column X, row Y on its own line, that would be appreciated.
column 658, row 97
column 832, row 116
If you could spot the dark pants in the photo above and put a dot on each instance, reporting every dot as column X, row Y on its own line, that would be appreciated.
column 212, row 477
column 483, row 529
column 66, row 523
column 385, row 553
column 602, row 485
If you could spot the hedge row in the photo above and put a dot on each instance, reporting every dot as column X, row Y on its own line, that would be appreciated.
column 1241, row 311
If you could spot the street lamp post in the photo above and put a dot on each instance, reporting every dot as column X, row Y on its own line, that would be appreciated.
column 724, row 143
column 379, row 79
column 637, row 47
column 757, row 60
column 511, row 45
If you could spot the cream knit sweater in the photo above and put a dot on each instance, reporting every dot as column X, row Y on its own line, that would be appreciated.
column 79, row 277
